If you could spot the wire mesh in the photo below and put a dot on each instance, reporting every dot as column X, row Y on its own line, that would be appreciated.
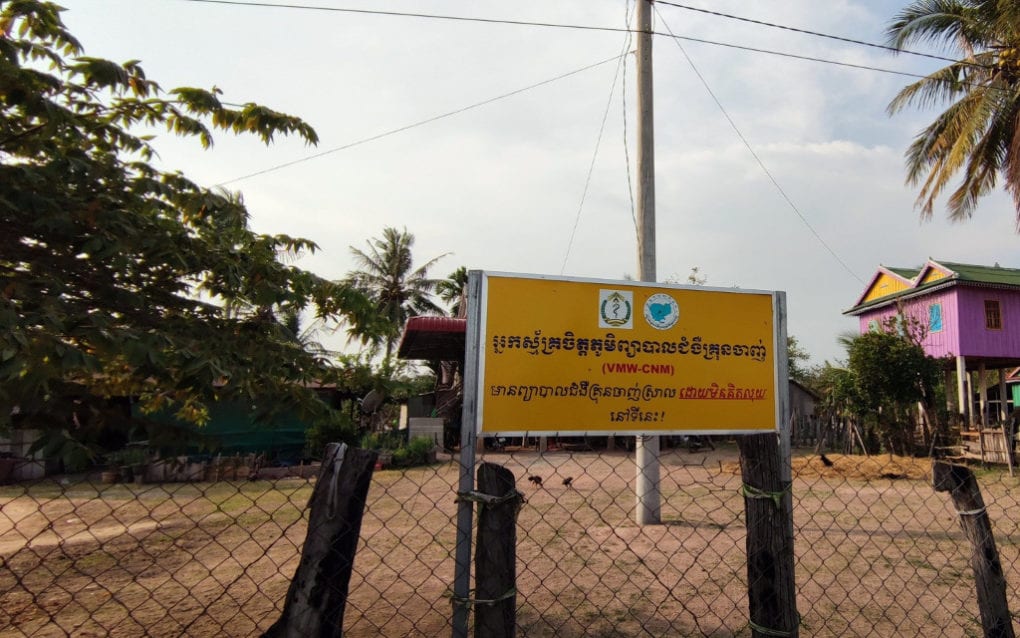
column 877, row 551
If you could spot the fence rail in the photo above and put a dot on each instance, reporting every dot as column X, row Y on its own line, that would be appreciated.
column 878, row 551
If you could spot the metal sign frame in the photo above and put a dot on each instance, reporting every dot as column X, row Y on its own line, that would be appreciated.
column 476, row 356
column 471, row 423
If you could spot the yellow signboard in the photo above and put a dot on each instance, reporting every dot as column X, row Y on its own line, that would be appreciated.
column 573, row 356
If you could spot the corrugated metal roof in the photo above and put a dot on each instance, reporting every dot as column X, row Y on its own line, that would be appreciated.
column 961, row 274
column 906, row 273
column 433, row 339
column 984, row 274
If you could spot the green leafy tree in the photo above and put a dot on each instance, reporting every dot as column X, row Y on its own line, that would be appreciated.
column 838, row 390
column 890, row 374
column 797, row 359
column 116, row 275
column 977, row 135
column 398, row 289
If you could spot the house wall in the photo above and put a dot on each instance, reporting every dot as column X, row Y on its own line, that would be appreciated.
column 232, row 429
column 884, row 285
column 963, row 322
column 804, row 424
column 976, row 339
column 945, row 342
column 801, row 402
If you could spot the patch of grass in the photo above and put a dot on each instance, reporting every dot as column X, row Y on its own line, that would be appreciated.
column 919, row 563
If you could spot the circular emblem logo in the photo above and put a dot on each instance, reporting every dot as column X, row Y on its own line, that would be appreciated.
column 661, row 311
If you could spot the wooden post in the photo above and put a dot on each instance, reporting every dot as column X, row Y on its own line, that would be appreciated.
column 1007, row 440
column 496, row 553
column 1003, row 401
column 983, row 395
column 768, row 507
column 318, row 593
column 963, row 391
column 959, row 481
column 951, row 400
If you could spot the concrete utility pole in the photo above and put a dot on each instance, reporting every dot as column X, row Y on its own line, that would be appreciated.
column 649, row 510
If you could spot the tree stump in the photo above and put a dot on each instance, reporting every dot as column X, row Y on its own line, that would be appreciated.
column 768, row 507
column 963, row 488
column 318, row 593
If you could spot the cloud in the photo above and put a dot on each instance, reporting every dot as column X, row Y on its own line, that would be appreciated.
column 500, row 186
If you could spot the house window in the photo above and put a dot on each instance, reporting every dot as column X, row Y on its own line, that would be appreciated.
column 935, row 317
column 873, row 326
column 993, row 316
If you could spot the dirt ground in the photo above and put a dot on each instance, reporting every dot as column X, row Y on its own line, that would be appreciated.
column 878, row 552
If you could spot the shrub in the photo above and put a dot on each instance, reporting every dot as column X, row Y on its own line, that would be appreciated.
column 417, row 452
column 338, row 428
column 392, row 440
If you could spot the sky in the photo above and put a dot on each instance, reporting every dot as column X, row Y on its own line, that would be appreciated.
column 537, row 181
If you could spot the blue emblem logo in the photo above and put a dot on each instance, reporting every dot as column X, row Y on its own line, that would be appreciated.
column 661, row 311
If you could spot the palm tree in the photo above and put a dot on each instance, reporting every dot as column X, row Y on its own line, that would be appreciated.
column 451, row 290
column 978, row 133
column 399, row 290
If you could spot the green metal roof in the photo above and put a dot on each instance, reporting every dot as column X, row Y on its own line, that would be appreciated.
column 960, row 274
column 906, row 273
column 984, row 274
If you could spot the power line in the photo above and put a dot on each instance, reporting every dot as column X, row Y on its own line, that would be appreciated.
column 794, row 56
column 429, row 120
column 670, row 35
column 403, row 14
column 621, row 62
column 758, row 159
column 809, row 58
column 626, row 145
column 819, row 34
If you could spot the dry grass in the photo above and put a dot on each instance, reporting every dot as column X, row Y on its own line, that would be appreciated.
column 861, row 468
column 854, row 467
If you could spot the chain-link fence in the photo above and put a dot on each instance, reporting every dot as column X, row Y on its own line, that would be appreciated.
column 877, row 551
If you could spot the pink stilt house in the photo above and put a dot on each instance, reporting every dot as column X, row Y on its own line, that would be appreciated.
column 972, row 316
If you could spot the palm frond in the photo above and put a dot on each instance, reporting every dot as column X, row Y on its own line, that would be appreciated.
column 941, row 86
column 397, row 289
column 950, row 24
column 945, row 147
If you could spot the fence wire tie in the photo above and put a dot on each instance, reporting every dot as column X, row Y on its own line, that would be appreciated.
column 769, row 632
column 976, row 512
column 749, row 491
column 488, row 499
column 468, row 602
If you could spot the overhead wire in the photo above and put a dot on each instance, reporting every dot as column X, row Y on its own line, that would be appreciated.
column 671, row 35
column 794, row 56
column 555, row 25
column 819, row 34
column 621, row 62
column 423, row 122
column 758, row 159
column 626, row 146
column 512, row 93
column 407, row 14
